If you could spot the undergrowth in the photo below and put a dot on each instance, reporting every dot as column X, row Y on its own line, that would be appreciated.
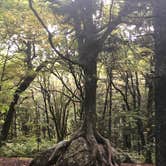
column 24, row 147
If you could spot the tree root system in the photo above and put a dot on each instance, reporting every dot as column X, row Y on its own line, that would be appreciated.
column 81, row 150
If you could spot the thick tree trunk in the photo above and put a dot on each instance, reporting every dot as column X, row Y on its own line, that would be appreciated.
column 90, row 97
column 94, row 150
column 150, row 110
column 160, row 80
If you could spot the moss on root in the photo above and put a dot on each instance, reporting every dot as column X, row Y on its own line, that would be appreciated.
column 81, row 150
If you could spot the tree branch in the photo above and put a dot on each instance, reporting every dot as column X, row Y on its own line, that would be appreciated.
column 50, row 35
column 112, row 24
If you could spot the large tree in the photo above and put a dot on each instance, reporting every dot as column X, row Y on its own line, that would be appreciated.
column 92, row 22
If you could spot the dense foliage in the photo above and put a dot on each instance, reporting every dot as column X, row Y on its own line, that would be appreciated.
column 45, row 89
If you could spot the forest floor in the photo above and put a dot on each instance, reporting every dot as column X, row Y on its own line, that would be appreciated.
column 14, row 161
column 25, row 162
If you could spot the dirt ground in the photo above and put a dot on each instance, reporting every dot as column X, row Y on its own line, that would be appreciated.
column 14, row 161
column 26, row 161
column 136, row 165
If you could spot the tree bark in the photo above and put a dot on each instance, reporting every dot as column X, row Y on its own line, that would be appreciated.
column 21, row 88
column 110, row 74
column 150, row 110
column 9, row 117
column 43, row 91
column 90, row 97
column 160, row 80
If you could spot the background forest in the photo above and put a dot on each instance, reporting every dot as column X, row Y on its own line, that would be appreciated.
column 42, row 90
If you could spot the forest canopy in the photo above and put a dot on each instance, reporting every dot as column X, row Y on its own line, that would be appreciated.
column 82, row 74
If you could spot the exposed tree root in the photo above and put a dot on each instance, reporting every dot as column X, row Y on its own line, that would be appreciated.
column 81, row 150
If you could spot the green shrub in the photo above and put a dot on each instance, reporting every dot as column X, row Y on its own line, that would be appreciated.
column 24, row 147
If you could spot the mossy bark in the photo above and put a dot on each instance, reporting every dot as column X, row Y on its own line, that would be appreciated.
column 81, row 150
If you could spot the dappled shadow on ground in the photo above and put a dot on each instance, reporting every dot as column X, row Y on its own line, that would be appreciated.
column 25, row 162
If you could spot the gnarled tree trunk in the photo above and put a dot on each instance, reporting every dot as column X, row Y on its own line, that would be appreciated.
column 87, row 147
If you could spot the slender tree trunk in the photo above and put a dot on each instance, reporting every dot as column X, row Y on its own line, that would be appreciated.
column 15, row 125
column 3, row 71
column 9, row 117
column 21, row 88
column 149, row 148
column 135, row 92
column 46, row 111
column 110, row 103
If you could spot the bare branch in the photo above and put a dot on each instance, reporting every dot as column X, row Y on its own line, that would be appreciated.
column 50, row 36
column 112, row 24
